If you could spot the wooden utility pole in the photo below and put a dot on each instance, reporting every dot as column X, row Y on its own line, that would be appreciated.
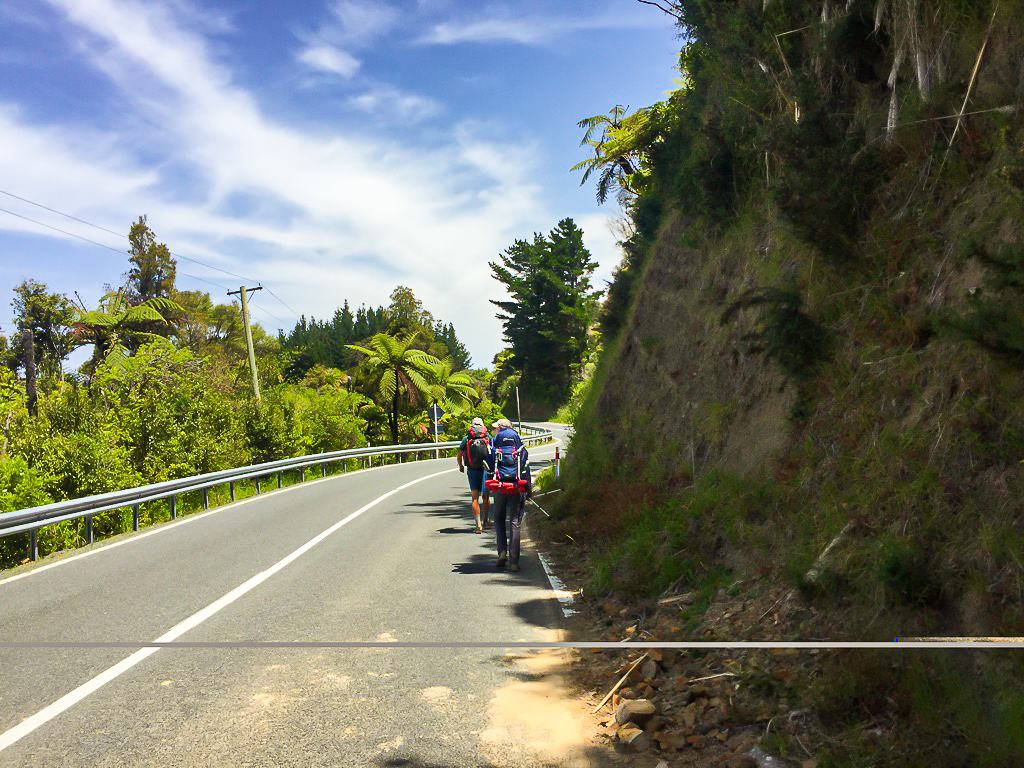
column 242, row 293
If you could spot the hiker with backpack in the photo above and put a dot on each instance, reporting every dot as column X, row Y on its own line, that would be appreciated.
column 510, row 483
column 475, row 449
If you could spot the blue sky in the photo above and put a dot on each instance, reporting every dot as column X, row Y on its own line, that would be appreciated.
column 328, row 149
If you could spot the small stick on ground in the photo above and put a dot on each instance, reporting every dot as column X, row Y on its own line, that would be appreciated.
column 712, row 677
column 618, row 684
column 774, row 604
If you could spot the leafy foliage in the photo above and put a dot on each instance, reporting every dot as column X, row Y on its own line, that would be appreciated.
column 399, row 370
column 551, row 308
column 116, row 327
column 49, row 317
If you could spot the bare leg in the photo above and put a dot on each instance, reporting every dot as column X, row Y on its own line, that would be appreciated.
column 476, row 509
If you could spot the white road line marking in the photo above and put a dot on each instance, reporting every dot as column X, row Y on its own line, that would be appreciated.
column 565, row 597
column 160, row 528
column 70, row 699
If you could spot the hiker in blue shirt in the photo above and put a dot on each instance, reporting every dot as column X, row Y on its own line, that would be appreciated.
column 510, row 483
column 475, row 450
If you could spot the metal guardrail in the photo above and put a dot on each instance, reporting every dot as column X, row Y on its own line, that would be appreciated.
column 34, row 518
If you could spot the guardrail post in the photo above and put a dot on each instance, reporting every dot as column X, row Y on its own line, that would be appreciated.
column 323, row 469
column 174, row 507
column 206, row 498
column 280, row 480
column 33, row 545
column 302, row 474
column 135, row 517
column 88, row 529
column 231, row 486
column 257, row 485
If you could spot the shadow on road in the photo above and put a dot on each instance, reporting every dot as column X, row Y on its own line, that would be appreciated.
column 540, row 612
column 477, row 565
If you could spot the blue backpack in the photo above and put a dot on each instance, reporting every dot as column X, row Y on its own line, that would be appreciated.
column 510, row 463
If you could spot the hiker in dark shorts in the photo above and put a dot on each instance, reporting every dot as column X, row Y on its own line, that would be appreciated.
column 476, row 469
column 511, row 479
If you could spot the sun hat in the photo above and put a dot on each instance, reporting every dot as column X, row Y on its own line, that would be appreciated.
column 478, row 422
column 502, row 423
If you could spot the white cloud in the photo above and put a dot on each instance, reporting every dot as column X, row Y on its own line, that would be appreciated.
column 487, row 31
column 391, row 102
column 601, row 236
column 529, row 29
column 362, row 22
column 337, row 214
column 326, row 58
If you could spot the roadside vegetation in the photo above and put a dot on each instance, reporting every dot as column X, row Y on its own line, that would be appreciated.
column 166, row 391
column 814, row 342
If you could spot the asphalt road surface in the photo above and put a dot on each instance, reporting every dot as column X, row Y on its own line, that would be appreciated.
column 384, row 555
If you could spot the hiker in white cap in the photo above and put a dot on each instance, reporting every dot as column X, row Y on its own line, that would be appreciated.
column 510, row 482
column 474, row 451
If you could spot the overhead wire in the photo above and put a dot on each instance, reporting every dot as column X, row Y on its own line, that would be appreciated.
column 93, row 242
column 109, row 231
column 263, row 309
column 119, row 234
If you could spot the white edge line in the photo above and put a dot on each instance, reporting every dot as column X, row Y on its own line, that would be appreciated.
column 565, row 597
column 46, row 714
column 161, row 527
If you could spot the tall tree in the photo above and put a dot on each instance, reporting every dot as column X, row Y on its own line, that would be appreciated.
column 400, row 370
column 48, row 316
column 153, row 267
column 406, row 313
column 550, row 309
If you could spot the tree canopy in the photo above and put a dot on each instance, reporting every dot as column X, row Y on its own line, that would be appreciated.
column 551, row 307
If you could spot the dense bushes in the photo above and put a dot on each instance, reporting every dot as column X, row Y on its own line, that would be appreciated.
column 158, row 415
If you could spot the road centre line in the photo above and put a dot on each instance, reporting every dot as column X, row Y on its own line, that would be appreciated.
column 67, row 701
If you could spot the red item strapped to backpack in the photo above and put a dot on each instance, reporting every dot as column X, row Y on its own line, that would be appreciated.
column 507, row 487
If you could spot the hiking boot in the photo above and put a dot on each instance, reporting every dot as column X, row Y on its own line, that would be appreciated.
column 513, row 567
column 502, row 557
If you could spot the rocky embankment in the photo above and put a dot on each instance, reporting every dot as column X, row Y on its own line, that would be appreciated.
column 669, row 708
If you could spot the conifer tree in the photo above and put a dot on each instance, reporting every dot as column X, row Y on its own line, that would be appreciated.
column 551, row 306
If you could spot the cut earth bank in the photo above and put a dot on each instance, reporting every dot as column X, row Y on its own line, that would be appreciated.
column 665, row 708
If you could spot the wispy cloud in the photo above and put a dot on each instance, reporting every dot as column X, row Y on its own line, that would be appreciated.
column 361, row 22
column 488, row 31
column 391, row 102
column 525, row 29
column 337, row 214
column 326, row 58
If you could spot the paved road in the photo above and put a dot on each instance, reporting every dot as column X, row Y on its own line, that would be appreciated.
column 290, row 566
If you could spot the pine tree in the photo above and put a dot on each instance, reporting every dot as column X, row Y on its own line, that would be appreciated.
column 551, row 307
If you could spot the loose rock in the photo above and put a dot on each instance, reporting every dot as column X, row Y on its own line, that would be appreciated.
column 633, row 739
column 638, row 712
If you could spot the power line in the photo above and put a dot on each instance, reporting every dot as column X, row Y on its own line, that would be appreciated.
column 267, row 311
column 282, row 301
column 110, row 231
column 93, row 242
column 208, row 282
column 58, row 229
column 119, row 234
